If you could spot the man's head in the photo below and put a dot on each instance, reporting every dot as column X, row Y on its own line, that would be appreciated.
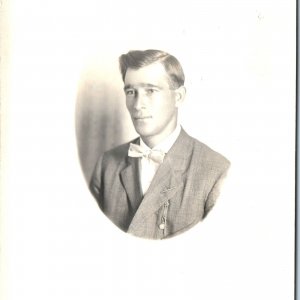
column 138, row 59
column 153, row 85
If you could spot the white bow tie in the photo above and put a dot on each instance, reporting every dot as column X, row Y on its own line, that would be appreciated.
column 137, row 151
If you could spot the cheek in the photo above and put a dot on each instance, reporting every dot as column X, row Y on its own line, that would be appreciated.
column 159, row 103
column 166, row 105
column 163, row 112
column 129, row 104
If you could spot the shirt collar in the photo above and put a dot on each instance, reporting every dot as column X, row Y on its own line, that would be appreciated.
column 166, row 144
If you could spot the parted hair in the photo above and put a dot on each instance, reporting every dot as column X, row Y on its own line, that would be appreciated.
column 136, row 59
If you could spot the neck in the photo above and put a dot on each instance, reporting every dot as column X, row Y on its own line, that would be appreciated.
column 150, row 142
column 154, row 140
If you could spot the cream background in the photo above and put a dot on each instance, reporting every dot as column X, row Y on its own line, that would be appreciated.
column 239, row 60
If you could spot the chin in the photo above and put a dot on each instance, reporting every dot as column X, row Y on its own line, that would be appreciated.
column 143, row 132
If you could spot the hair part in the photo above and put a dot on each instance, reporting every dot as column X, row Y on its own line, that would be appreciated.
column 137, row 59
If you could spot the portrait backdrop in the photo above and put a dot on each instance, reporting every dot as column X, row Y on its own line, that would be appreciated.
column 64, row 106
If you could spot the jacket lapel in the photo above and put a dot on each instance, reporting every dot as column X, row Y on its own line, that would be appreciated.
column 167, row 181
column 131, row 183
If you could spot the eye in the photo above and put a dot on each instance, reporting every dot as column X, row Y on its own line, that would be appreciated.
column 129, row 92
column 150, row 91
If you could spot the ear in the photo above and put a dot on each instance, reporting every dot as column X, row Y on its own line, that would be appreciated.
column 180, row 95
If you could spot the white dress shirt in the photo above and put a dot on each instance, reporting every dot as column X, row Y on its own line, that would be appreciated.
column 149, row 167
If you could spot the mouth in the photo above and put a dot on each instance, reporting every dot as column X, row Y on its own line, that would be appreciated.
column 142, row 118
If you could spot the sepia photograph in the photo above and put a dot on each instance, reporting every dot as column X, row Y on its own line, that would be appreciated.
column 147, row 150
column 164, row 182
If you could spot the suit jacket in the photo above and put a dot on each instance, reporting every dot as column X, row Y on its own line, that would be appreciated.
column 182, row 192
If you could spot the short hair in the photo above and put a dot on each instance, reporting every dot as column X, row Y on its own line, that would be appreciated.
column 136, row 59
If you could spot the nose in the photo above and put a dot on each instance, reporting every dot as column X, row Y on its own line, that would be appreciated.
column 139, row 101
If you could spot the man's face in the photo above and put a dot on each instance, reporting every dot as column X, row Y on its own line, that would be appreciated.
column 150, row 102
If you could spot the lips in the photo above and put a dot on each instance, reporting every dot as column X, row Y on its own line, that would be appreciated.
column 141, row 117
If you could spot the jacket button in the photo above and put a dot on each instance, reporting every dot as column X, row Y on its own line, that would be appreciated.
column 162, row 226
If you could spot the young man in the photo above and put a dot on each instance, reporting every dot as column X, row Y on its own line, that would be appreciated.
column 165, row 181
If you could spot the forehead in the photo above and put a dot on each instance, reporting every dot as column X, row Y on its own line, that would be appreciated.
column 152, row 74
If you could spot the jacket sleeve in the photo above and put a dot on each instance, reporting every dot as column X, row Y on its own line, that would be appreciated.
column 95, row 183
column 215, row 192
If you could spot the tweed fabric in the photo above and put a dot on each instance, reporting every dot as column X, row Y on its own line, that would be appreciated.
column 182, row 192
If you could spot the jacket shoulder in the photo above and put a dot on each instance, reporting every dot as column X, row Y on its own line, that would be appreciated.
column 117, row 154
column 109, row 160
column 209, row 155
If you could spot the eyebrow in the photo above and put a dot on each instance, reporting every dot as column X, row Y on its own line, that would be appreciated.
column 130, row 86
